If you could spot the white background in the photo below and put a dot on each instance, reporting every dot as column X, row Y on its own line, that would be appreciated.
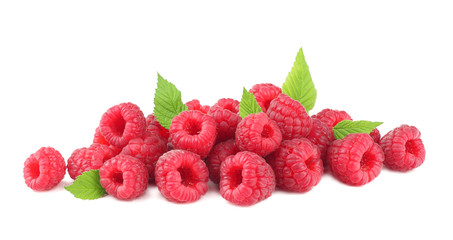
column 63, row 63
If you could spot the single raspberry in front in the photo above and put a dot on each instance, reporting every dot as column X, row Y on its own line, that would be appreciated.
column 291, row 117
column 356, row 159
column 147, row 149
column 218, row 154
column 226, row 115
column 181, row 176
column 196, row 105
column 124, row 177
column 259, row 134
column 85, row 159
column 44, row 169
column 122, row 123
column 246, row 179
column 193, row 131
column 332, row 117
column 321, row 135
column 297, row 165
column 264, row 93
column 403, row 148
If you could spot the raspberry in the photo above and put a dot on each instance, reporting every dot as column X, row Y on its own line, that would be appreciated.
column 44, row 169
column 181, row 176
column 297, row 165
column 98, row 138
column 147, row 149
column 355, row 159
column 257, row 133
column 196, row 105
column 403, row 148
column 226, row 115
column 246, row 179
column 332, row 117
column 154, row 127
column 218, row 154
column 124, row 177
column 291, row 117
column 376, row 135
column 321, row 135
column 193, row 131
column 122, row 123
column 264, row 93
column 85, row 159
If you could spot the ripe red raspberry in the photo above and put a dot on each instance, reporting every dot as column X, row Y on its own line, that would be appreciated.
column 355, row 159
column 124, row 177
column 147, row 149
column 332, row 117
column 226, row 115
column 403, row 148
column 181, row 176
column 376, row 135
column 321, row 135
column 196, row 105
column 154, row 127
column 297, row 165
column 193, row 131
column 291, row 117
column 98, row 138
column 264, row 93
column 44, row 169
column 218, row 154
column 122, row 123
column 246, row 179
column 85, row 159
column 257, row 133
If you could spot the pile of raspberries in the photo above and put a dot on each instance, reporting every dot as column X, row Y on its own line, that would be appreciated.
column 282, row 147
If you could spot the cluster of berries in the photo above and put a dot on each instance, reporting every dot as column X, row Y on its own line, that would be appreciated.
column 249, row 157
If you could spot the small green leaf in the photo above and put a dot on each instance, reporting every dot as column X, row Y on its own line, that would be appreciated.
column 299, row 85
column 345, row 127
column 87, row 186
column 167, row 102
column 248, row 104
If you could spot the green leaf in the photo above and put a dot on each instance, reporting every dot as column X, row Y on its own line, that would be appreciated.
column 87, row 186
column 299, row 85
column 167, row 102
column 248, row 104
column 345, row 127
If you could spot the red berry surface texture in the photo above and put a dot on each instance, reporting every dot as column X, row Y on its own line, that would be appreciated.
column 193, row 131
column 124, row 177
column 290, row 116
column 218, row 154
column 181, row 176
column 85, row 159
column 403, row 148
column 246, row 179
column 122, row 123
column 264, row 93
column 259, row 134
column 44, row 169
column 297, row 165
column 356, row 159
column 226, row 115
column 147, row 149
